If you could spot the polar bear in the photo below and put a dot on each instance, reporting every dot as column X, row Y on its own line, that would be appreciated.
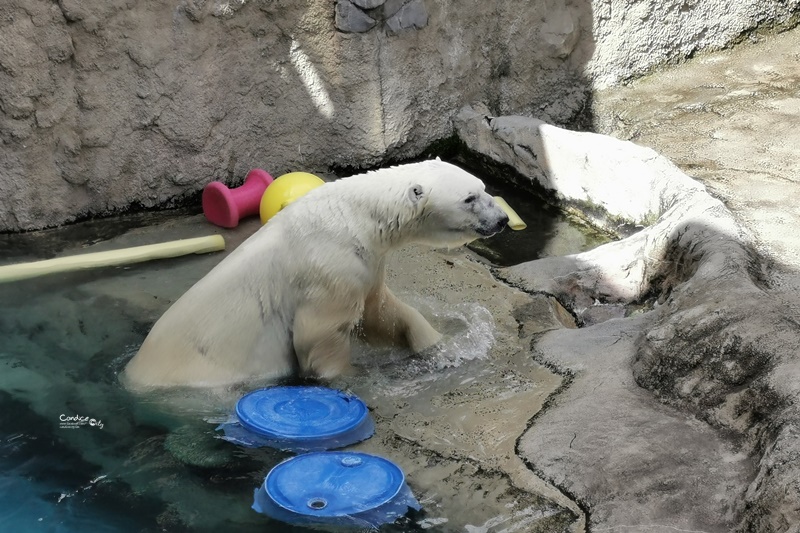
column 288, row 299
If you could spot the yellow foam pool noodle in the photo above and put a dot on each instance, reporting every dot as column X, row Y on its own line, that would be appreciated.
column 124, row 256
column 514, row 222
column 285, row 190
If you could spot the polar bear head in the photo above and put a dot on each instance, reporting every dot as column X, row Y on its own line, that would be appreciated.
column 453, row 207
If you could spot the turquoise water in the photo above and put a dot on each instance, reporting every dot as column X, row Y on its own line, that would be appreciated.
column 142, row 467
column 79, row 453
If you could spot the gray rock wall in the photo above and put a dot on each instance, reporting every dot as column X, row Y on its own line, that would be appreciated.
column 105, row 105
column 633, row 36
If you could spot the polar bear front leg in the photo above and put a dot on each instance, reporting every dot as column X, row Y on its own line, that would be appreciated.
column 322, row 339
column 386, row 318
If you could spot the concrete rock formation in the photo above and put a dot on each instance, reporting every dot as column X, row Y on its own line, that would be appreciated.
column 357, row 16
column 115, row 105
column 410, row 16
column 712, row 446
column 351, row 19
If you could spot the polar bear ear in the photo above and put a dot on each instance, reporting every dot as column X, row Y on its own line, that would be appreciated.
column 417, row 195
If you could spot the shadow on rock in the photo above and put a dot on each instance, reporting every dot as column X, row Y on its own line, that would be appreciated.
column 714, row 344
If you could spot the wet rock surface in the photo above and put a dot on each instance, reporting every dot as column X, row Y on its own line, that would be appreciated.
column 685, row 409
column 729, row 120
column 628, row 459
column 729, row 353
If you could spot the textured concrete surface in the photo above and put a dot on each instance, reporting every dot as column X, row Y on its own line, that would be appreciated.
column 709, row 446
column 729, row 120
column 120, row 105
column 117, row 105
column 633, row 36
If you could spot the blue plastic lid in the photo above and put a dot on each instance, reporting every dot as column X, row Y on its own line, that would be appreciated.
column 301, row 418
column 335, row 488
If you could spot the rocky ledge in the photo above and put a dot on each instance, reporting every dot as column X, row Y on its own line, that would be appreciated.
column 680, row 413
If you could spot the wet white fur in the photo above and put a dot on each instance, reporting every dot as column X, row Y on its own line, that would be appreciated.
column 290, row 296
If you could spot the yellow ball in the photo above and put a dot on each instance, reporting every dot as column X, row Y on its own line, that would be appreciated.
column 285, row 190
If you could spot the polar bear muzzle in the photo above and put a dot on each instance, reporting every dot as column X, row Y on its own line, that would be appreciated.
column 492, row 219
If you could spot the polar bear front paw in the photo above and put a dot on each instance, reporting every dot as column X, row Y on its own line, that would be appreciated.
column 423, row 337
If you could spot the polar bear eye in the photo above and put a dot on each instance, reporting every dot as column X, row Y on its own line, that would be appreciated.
column 469, row 199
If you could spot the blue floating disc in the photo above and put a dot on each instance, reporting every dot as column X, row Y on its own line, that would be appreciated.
column 300, row 419
column 335, row 488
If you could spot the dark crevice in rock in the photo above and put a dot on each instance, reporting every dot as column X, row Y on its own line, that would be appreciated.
column 562, row 520
column 567, row 377
column 360, row 16
column 718, row 346
column 567, row 305
column 761, row 30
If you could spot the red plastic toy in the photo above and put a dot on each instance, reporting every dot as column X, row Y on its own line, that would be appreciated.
column 226, row 207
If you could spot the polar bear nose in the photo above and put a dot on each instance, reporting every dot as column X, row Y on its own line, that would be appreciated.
column 492, row 227
column 502, row 223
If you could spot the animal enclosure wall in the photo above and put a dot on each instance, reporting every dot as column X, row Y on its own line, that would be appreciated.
column 108, row 105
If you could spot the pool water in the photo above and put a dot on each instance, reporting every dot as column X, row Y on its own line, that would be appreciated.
column 549, row 233
column 79, row 453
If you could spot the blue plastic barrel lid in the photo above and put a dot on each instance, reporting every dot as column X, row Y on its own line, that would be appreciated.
column 300, row 413
column 333, row 484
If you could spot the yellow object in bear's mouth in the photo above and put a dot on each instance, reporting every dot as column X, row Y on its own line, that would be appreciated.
column 514, row 222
